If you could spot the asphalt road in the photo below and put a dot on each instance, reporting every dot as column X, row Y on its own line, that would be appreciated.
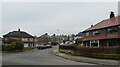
column 37, row 57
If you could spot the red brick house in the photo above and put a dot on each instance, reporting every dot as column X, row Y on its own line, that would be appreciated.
column 29, row 40
column 105, row 33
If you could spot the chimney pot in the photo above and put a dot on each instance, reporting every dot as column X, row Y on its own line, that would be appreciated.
column 19, row 29
column 112, row 15
column 91, row 25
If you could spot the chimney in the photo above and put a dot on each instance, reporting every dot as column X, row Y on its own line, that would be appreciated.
column 19, row 30
column 91, row 25
column 112, row 15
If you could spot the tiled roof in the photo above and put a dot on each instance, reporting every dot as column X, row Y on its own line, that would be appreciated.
column 105, row 23
column 18, row 34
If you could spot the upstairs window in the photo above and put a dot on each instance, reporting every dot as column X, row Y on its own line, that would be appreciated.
column 24, row 39
column 112, row 30
column 31, row 39
column 95, row 33
column 87, row 34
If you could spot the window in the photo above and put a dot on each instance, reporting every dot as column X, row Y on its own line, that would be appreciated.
column 31, row 39
column 95, row 33
column 112, row 30
column 25, row 44
column 24, row 39
column 87, row 34
column 94, row 41
column 113, row 43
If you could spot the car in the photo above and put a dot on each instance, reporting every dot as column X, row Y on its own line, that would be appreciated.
column 41, row 47
column 48, row 46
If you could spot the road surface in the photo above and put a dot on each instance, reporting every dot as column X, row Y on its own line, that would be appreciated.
column 37, row 57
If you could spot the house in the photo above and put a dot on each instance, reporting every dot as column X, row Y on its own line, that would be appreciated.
column 0, row 44
column 78, row 36
column 58, row 38
column 45, row 38
column 29, row 40
column 104, row 34
column 0, row 39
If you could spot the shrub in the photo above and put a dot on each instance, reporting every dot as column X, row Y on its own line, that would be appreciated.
column 69, row 47
column 8, row 47
column 104, row 50
column 17, row 45
column 54, row 43
column 3, row 47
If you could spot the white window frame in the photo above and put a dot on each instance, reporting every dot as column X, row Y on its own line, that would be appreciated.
column 24, row 39
column 94, row 32
column 26, row 45
column 87, row 34
column 31, row 39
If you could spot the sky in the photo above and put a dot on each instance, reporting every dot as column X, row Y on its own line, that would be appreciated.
column 38, row 18
column 59, row 0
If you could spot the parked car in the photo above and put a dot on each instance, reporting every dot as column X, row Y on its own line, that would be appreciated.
column 48, row 46
column 41, row 47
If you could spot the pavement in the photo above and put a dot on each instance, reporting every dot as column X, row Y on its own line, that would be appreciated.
column 85, row 59
column 37, row 57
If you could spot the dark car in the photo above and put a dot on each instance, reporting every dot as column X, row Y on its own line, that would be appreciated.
column 41, row 47
column 48, row 46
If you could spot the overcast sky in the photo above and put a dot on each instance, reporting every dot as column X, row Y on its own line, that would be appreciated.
column 38, row 18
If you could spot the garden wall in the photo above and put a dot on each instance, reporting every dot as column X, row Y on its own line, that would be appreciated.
column 94, row 52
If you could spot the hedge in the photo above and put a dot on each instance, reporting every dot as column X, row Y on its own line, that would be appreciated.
column 68, row 47
column 101, row 52
column 17, row 45
column 105, row 50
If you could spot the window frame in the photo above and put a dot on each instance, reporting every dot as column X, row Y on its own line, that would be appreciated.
column 87, row 34
column 31, row 38
column 112, row 30
column 24, row 39
column 96, row 33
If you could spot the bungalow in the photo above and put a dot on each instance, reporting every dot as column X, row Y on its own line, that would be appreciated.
column 104, row 34
column 29, row 40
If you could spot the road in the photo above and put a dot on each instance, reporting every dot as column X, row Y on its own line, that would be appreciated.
column 37, row 57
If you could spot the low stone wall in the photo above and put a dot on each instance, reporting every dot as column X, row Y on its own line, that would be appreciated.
column 92, row 55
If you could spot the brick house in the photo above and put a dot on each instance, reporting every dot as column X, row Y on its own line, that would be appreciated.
column 29, row 40
column 104, row 34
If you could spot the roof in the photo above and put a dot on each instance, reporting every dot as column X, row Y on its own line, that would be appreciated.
column 79, row 34
column 105, row 23
column 18, row 34
column 44, row 35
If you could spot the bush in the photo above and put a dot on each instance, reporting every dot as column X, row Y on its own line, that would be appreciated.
column 3, row 47
column 94, row 52
column 104, row 50
column 17, row 45
column 54, row 43
column 68, row 47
